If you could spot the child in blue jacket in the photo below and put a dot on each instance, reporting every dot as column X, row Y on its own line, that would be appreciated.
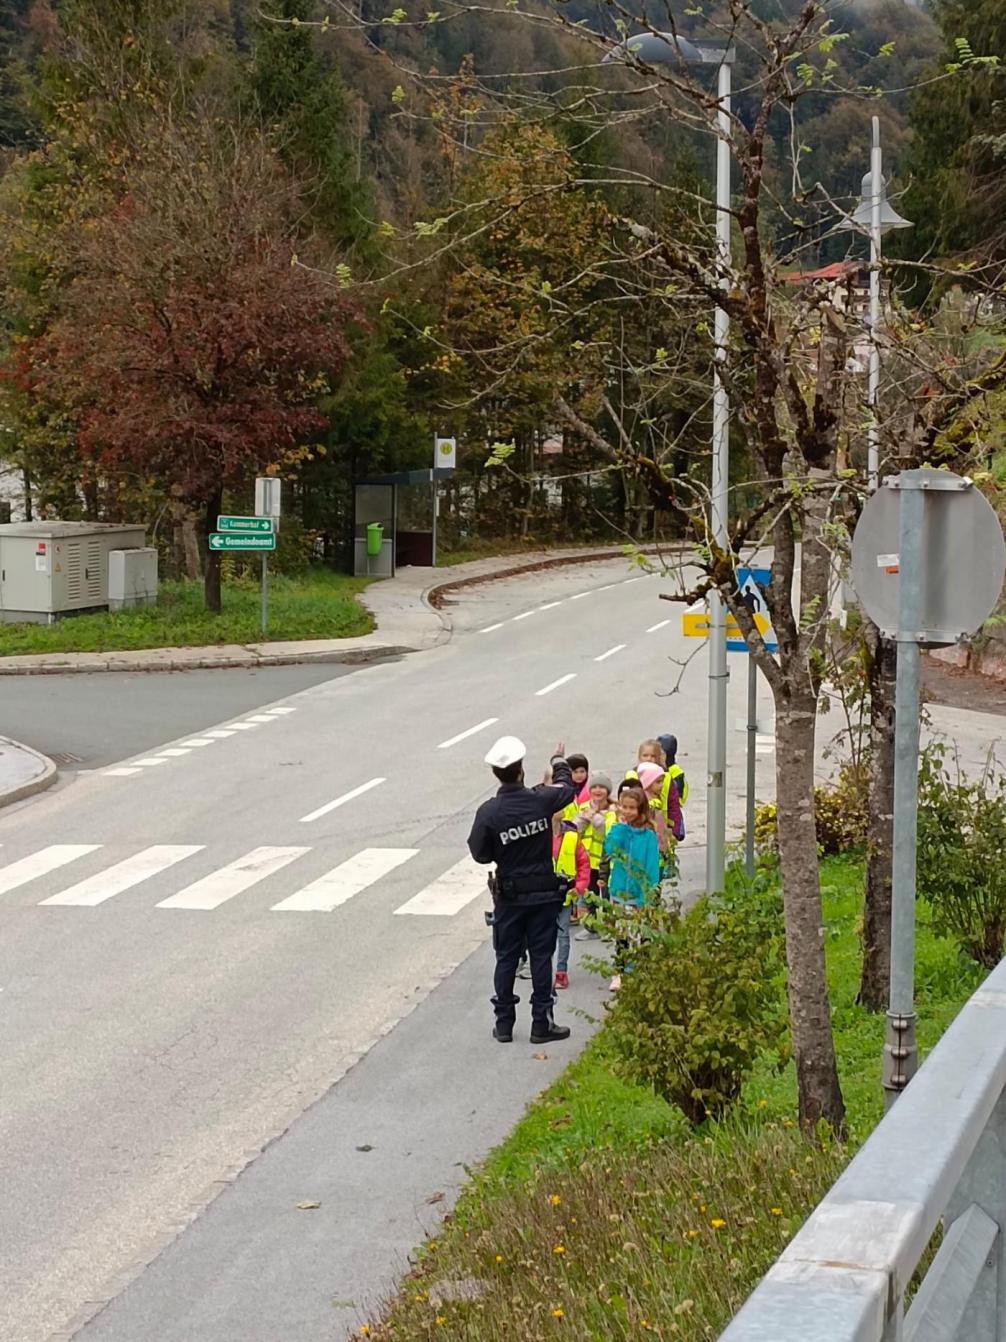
column 633, row 853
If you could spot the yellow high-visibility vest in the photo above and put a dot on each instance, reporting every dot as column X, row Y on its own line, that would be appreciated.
column 565, row 862
column 674, row 772
column 591, row 840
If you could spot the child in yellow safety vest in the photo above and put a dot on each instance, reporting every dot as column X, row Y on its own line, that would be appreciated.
column 571, row 861
column 594, row 821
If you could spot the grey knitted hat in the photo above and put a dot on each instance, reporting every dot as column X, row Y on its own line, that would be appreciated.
column 600, row 780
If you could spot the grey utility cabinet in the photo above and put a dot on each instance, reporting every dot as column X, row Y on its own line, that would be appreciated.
column 48, row 569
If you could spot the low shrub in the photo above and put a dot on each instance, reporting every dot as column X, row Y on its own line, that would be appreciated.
column 700, row 1000
column 840, row 814
column 962, row 854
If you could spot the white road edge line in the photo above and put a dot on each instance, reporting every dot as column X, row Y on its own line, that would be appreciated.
column 579, row 596
column 461, row 736
column 490, row 627
column 550, row 605
column 610, row 653
column 563, row 680
column 526, row 614
column 654, row 627
column 341, row 801
column 607, row 587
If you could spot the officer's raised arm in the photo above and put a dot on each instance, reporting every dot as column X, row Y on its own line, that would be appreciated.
column 557, row 794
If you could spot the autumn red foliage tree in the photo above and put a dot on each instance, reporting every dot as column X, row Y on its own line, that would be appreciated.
column 193, row 343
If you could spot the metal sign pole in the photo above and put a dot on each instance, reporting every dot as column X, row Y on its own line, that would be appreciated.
column 265, row 591
column 752, row 738
column 900, row 1055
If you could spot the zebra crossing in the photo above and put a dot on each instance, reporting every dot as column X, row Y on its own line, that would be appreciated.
column 445, row 896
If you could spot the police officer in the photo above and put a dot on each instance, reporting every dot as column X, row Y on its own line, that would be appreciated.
column 514, row 830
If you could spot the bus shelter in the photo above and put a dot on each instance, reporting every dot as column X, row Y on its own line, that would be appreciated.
column 395, row 521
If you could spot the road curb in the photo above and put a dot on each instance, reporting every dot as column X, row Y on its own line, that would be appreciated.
column 40, row 783
column 433, row 596
column 351, row 657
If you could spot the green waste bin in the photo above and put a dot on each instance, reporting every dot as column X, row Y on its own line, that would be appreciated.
column 375, row 538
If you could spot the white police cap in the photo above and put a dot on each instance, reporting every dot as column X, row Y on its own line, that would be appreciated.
column 507, row 750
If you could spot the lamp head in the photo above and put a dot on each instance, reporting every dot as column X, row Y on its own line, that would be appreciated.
column 655, row 49
column 862, row 217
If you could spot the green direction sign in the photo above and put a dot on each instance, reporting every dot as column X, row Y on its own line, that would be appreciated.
column 259, row 525
column 219, row 541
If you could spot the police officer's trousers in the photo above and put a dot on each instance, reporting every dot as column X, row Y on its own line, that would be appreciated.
column 514, row 927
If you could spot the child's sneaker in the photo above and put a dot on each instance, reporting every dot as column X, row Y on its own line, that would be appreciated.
column 524, row 969
column 561, row 979
column 615, row 984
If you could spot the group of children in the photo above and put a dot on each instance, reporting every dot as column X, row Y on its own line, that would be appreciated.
column 617, row 845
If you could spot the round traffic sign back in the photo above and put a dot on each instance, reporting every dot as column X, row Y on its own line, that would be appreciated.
column 963, row 556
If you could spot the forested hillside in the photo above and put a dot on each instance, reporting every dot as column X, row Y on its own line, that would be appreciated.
column 203, row 199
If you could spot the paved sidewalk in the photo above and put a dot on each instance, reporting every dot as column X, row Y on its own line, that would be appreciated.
column 23, row 771
column 406, row 619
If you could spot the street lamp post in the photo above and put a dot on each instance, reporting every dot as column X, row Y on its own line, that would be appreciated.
column 875, row 217
column 654, row 49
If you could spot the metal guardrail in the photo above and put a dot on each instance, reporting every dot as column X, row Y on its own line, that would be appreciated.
column 939, row 1154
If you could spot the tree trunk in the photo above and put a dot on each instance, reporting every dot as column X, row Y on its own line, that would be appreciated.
column 211, row 575
column 874, row 980
column 809, row 1009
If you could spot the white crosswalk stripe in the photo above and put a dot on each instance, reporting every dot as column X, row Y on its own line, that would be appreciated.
column 449, row 893
column 223, row 884
column 124, row 875
column 445, row 896
column 344, row 881
column 41, row 863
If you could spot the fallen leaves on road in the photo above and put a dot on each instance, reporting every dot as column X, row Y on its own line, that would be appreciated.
column 435, row 1197
column 365, row 1147
column 307, row 1206
column 540, row 1057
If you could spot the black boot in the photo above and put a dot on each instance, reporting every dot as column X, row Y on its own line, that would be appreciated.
column 547, row 1032
column 503, row 1032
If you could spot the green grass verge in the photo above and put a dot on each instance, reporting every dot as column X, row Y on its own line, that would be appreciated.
column 603, row 1216
column 318, row 604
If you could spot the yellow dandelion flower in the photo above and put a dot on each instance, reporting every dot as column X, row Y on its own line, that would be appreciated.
column 441, row 1319
column 558, row 1314
column 572, row 1220
column 559, row 1249
column 702, row 1207
column 555, row 1199
column 499, row 1258
column 763, row 1104
column 364, row 1329
column 787, row 1122
column 717, row 1223
column 692, row 1234
column 776, row 1211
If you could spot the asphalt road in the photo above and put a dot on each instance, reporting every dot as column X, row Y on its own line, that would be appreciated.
column 87, row 721
column 198, row 940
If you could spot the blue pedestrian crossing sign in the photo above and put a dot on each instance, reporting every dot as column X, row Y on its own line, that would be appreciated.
column 751, row 584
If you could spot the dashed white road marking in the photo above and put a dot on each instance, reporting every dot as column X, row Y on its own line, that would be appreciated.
column 341, row 801
column 198, row 741
column 151, row 761
column 550, row 605
column 525, row 615
column 491, row 627
column 462, row 736
column 261, row 717
column 223, row 884
column 563, row 680
column 41, row 863
column 96, row 889
column 282, row 709
column 242, row 726
column 125, row 771
column 607, row 587
column 449, row 894
column 654, row 627
column 610, row 653
column 173, row 752
column 218, row 733
column 343, row 882
column 579, row 596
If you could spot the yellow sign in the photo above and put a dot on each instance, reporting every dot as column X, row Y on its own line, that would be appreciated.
column 695, row 624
